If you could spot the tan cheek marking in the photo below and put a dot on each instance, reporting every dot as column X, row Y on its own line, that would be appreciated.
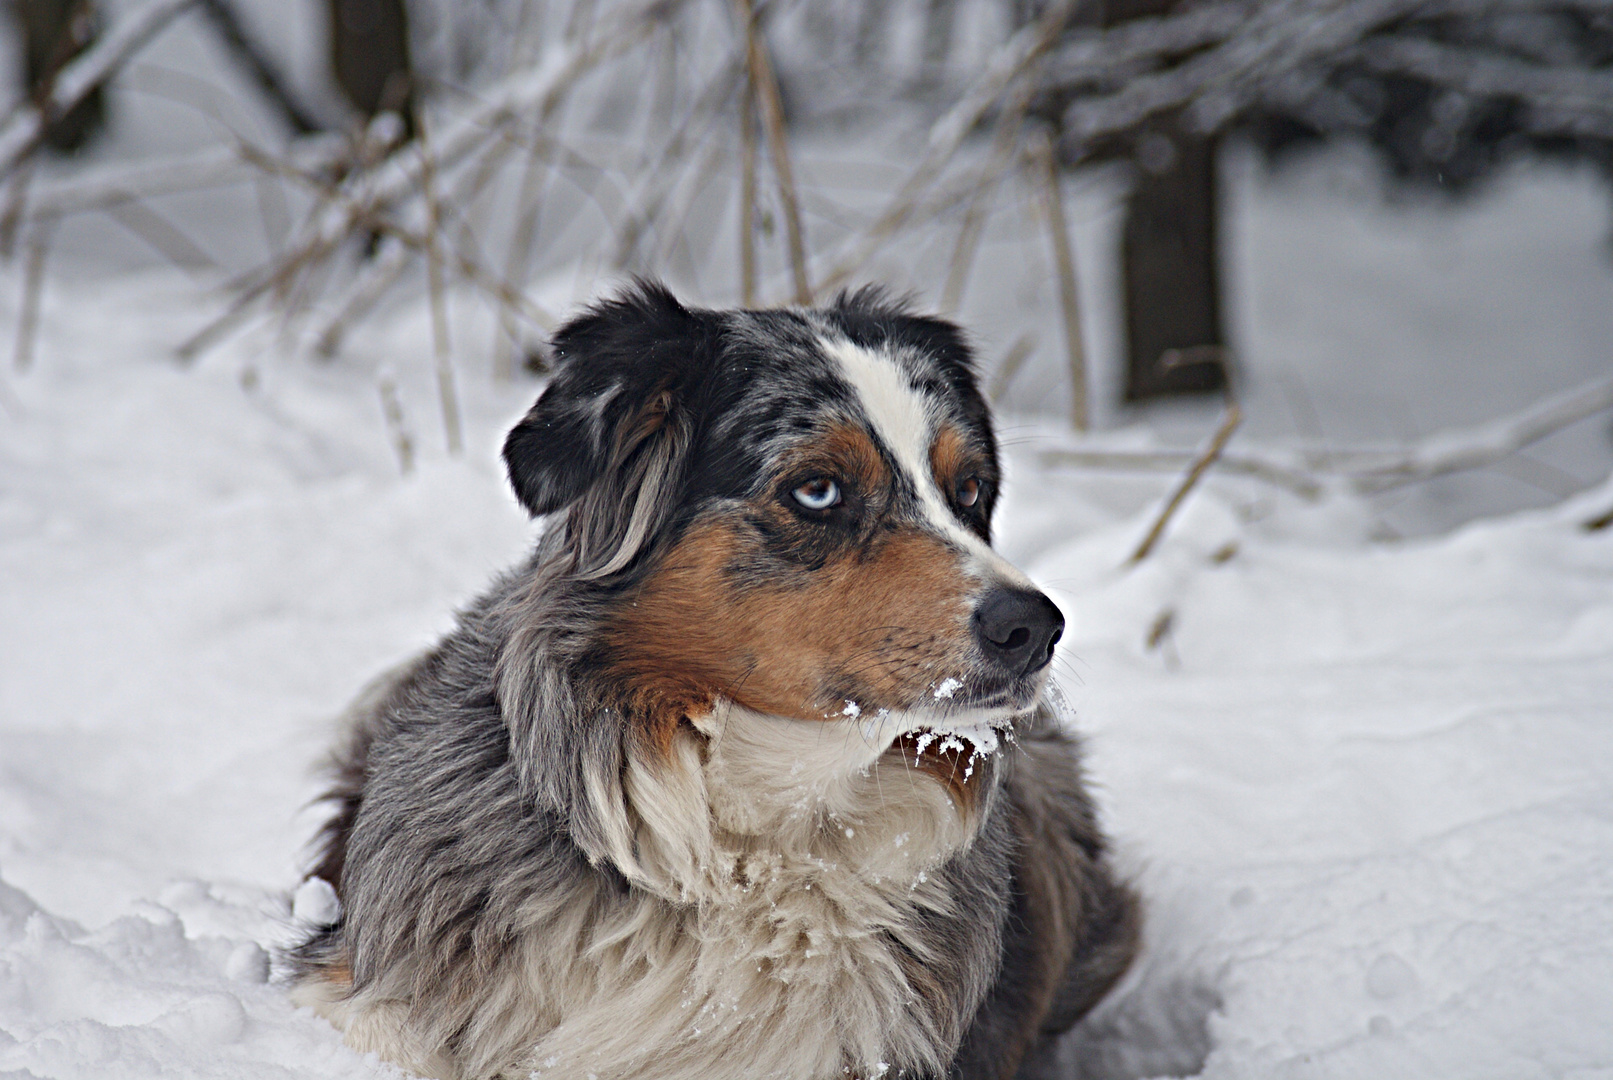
column 890, row 622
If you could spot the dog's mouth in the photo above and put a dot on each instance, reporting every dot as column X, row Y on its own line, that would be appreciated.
column 965, row 744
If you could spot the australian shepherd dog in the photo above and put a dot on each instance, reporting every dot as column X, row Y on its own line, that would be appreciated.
column 746, row 772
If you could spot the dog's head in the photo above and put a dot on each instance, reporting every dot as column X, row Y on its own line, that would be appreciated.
column 786, row 511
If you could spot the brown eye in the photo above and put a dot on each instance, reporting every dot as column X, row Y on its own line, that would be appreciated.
column 819, row 493
column 969, row 491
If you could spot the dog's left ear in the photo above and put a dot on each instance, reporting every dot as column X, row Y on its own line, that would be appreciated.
column 608, row 435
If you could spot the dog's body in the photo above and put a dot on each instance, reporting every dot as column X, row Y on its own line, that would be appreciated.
column 711, row 787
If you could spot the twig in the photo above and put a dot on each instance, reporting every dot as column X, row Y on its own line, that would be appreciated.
column 1258, row 468
column 397, row 429
column 1001, row 159
column 219, row 326
column 98, row 187
column 1013, row 360
column 389, row 264
column 747, row 196
column 1058, row 230
column 674, row 239
column 33, row 291
column 529, row 200
column 1229, row 424
column 1560, row 98
column 764, row 88
column 283, row 270
column 16, row 204
column 163, row 235
column 528, row 97
column 262, row 70
column 24, row 129
column 662, row 178
column 446, row 391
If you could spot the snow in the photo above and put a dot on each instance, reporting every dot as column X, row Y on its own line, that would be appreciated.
column 1365, row 793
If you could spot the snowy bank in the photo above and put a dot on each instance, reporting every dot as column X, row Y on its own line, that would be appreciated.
column 1363, row 785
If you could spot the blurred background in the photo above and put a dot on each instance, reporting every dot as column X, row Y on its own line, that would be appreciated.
column 1365, row 221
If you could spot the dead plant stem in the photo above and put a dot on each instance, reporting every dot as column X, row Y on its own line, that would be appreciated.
column 33, row 292
column 1229, row 424
column 764, row 84
column 446, row 392
column 1058, row 231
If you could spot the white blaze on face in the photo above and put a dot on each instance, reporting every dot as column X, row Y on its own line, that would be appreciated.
column 906, row 422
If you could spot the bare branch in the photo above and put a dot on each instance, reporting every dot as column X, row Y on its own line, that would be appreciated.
column 1058, row 231
column 1473, row 448
column 1560, row 99
column 1229, row 424
column 1259, row 468
column 397, row 428
column 33, row 290
column 362, row 296
column 1280, row 51
column 260, row 67
column 1371, row 471
column 164, row 236
column 765, row 91
column 1013, row 360
column 446, row 391
column 1004, row 142
column 527, row 98
column 99, row 187
column 747, row 197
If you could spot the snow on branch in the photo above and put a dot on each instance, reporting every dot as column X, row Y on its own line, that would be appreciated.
column 1216, row 60
column 1475, row 447
column 24, row 129
column 1560, row 99
column 1372, row 471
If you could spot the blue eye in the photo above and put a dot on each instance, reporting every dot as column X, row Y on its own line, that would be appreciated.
column 819, row 493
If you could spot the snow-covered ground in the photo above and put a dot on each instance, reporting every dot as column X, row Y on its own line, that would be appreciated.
column 1362, row 784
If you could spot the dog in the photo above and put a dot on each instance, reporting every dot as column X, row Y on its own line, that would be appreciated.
column 747, row 771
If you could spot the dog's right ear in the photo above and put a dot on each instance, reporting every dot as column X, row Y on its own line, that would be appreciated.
column 621, row 365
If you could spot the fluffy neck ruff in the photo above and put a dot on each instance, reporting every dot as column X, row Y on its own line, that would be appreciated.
column 747, row 801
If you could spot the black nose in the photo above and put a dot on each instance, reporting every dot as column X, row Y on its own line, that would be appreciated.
column 1017, row 629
